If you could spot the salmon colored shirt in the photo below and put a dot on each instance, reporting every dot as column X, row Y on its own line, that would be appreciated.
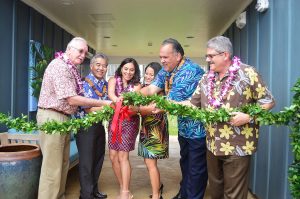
column 58, row 84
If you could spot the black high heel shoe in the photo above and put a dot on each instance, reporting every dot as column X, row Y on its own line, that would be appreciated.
column 161, row 190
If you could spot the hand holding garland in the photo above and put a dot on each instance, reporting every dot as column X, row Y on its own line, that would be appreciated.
column 289, row 115
column 54, row 127
column 264, row 117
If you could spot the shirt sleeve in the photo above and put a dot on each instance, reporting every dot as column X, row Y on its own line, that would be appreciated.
column 196, row 97
column 185, row 84
column 160, row 79
column 260, row 91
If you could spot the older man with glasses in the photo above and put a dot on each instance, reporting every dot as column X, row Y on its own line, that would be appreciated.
column 60, row 96
column 230, row 84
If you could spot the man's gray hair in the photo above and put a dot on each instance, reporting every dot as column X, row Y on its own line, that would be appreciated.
column 74, row 40
column 99, row 55
column 220, row 44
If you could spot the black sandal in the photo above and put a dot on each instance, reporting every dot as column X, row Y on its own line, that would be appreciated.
column 161, row 190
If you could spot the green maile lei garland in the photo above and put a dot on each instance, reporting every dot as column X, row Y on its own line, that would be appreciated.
column 55, row 127
column 206, row 116
column 289, row 116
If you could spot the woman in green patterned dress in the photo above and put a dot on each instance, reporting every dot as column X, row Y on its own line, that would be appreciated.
column 154, row 136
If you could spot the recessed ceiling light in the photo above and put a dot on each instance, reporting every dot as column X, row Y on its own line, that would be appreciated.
column 106, row 37
column 190, row 37
column 67, row 2
column 114, row 45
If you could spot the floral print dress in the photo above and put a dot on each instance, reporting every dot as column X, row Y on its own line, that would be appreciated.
column 130, row 129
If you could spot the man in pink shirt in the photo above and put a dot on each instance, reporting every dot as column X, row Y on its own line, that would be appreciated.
column 60, row 96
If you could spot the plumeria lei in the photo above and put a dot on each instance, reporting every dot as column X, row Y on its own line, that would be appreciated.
column 119, row 85
column 216, row 101
column 73, row 69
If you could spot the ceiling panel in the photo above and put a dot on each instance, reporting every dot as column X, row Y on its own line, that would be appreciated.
column 133, row 24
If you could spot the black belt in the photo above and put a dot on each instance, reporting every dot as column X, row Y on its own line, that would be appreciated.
column 51, row 109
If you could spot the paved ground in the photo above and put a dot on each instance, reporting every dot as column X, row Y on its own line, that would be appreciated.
column 140, row 184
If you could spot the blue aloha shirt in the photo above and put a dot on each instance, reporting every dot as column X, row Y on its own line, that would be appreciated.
column 184, row 84
column 90, row 93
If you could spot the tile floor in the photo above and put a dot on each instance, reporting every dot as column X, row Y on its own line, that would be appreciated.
column 140, row 184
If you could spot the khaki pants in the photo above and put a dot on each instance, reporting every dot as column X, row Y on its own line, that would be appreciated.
column 228, row 176
column 55, row 150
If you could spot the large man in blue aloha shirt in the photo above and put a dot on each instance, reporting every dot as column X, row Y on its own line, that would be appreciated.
column 91, row 142
column 179, row 78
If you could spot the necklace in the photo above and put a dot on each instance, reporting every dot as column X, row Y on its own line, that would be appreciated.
column 104, row 89
column 169, row 78
column 73, row 70
column 119, row 86
column 217, row 101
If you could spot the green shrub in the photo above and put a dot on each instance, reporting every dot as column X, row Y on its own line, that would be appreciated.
column 43, row 57
column 294, row 179
column 294, row 169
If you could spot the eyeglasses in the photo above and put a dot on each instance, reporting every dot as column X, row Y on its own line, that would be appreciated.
column 210, row 56
column 81, row 51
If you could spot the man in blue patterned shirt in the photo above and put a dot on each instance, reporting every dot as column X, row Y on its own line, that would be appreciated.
column 91, row 142
column 179, row 78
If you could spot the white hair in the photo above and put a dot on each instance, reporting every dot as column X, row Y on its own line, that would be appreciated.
column 74, row 40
